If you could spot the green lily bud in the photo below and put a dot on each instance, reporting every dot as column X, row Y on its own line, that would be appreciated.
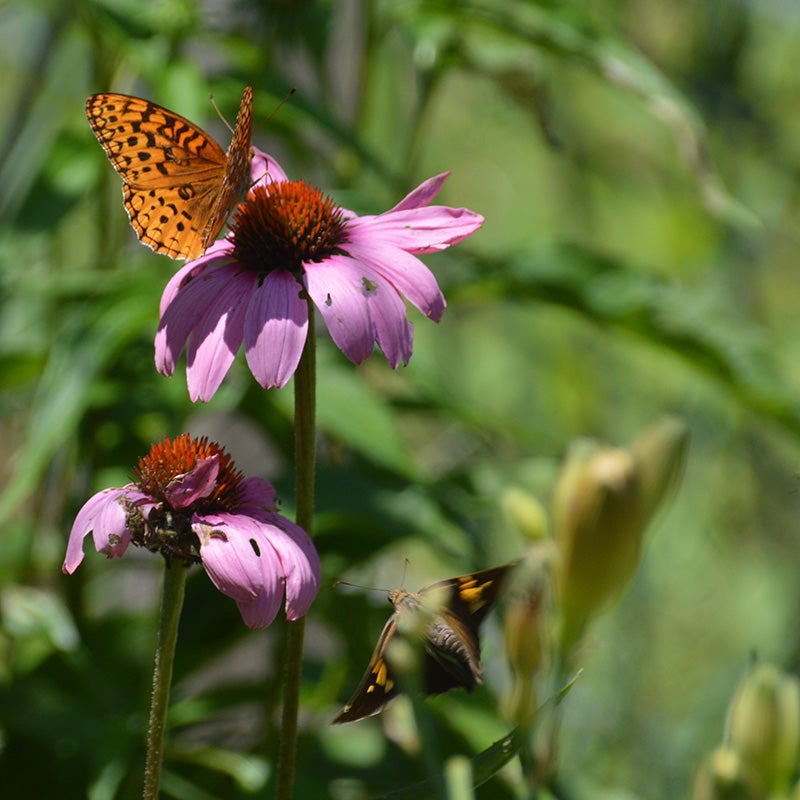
column 763, row 725
column 602, row 502
column 525, row 512
column 724, row 775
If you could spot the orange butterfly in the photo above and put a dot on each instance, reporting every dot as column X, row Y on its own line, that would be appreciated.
column 179, row 185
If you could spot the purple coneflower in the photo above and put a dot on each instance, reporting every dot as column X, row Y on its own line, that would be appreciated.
column 289, row 242
column 192, row 505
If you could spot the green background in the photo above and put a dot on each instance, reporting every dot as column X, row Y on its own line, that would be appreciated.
column 637, row 164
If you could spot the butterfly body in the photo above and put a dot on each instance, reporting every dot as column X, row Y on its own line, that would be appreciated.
column 454, row 610
column 179, row 185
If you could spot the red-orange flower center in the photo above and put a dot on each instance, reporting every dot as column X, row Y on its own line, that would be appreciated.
column 167, row 528
column 171, row 459
column 285, row 224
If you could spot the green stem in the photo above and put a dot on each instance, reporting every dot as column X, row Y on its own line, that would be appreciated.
column 304, row 453
column 171, row 605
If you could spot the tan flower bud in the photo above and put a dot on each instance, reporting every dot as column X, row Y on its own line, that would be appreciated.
column 764, row 725
column 525, row 631
column 724, row 775
column 602, row 502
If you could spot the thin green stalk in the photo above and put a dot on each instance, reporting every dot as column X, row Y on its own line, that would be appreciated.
column 304, row 453
column 171, row 605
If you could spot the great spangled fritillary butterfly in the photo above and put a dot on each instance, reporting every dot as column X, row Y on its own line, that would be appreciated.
column 179, row 185
column 451, row 641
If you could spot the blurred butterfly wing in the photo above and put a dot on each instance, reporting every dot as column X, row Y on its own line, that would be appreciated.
column 452, row 655
column 452, row 645
column 376, row 686
column 469, row 598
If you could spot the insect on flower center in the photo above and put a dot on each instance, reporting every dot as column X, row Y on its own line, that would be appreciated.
column 173, row 474
column 170, row 461
column 285, row 224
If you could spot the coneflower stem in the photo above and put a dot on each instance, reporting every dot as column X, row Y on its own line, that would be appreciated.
column 305, row 454
column 171, row 606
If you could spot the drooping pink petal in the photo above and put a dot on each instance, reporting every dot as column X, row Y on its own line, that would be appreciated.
column 242, row 565
column 257, row 493
column 419, row 230
column 387, row 312
column 104, row 516
column 275, row 329
column 217, row 336
column 186, row 310
column 423, row 194
column 218, row 251
column 186, row 489
column 300, row 563
column 410, row 277
column 336, row 287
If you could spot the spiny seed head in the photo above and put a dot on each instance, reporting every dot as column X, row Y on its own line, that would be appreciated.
column 285, row 224
column 170, row 459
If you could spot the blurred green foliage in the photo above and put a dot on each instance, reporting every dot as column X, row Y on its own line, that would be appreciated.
column 637, row 164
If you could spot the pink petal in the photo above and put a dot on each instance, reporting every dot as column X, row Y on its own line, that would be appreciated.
column 336, row 287
column 185, row 310
column 275, row 329
column 217, row 336
column 419, row 230
column 423, row 194
column 234, row 566
column 218, row 251
column 242, row 565
column 266, row 169
column 300, row 563
column 103, row 514
column 409, row 276
column 258, row 493
column 184, row 490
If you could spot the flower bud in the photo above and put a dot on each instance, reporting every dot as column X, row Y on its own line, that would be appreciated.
column 602, row 502
column 724, row 775
column 525, row 632
column 525, row 512
column 763, row 725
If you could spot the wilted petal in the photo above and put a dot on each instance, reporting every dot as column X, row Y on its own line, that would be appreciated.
column 104, row 516
column 184, row 490
column 275, row 329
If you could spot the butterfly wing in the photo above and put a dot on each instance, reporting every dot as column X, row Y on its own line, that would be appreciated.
column 179, row 186
column 376, row 686
column 237, row 179
column 452, row 645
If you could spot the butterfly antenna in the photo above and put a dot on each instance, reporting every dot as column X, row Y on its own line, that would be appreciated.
column 358, row 586
column 405, row 570
column 278, row 107
column 219, row 113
